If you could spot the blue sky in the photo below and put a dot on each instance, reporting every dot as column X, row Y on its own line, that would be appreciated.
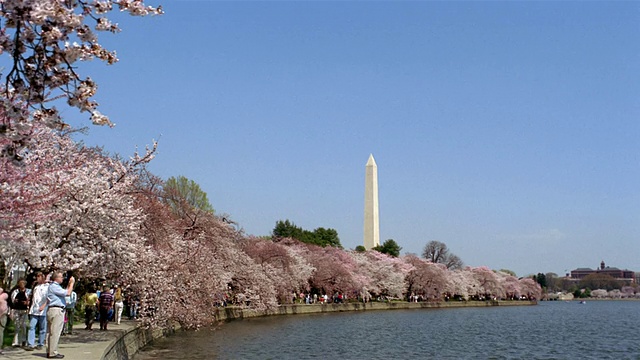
column 507, row 130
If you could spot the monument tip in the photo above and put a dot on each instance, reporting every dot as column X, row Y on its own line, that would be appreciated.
column 371, row 161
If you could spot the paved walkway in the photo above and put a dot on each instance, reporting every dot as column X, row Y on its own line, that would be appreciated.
column 82, row 345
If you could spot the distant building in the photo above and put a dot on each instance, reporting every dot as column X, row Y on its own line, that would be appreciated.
column 622, row 275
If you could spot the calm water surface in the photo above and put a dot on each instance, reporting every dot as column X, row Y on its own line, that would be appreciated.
column 550, row 330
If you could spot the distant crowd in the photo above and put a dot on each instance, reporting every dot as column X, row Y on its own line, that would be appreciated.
column 341, row 297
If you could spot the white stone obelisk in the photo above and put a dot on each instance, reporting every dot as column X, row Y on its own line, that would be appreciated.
column 371, row 215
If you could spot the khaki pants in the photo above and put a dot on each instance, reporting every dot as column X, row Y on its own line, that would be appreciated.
column 55, row 321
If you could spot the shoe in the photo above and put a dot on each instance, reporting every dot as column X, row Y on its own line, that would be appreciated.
column 56, row 356
column 29, row 348
column 39, row 347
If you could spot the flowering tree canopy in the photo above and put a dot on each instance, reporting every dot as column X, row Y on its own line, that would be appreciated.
column 42, row 41
column 427, row 278
column 70, row 207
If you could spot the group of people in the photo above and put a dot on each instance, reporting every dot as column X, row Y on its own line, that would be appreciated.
column 40, row 311
column 104, row 305
column 46, row 311
column 309, row 298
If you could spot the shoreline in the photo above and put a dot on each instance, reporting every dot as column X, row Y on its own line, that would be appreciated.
column 234, row 313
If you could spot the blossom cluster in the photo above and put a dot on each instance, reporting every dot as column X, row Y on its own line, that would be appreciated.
column 627, row 292
column 43, row 40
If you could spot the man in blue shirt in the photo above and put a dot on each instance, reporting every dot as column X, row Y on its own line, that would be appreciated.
column 55, row 312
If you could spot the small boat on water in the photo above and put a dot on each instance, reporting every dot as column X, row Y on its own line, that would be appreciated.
column 582, row 302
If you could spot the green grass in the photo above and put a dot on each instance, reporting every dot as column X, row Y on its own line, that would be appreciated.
column 9, row 331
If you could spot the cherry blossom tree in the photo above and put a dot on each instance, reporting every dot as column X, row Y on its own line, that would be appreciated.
column 334, row 268
column 43, row 40
column 380, row 274
column 26, row 189
column 427, row 279
column 89, row 222
column 510, row 285
column 614, row 294
column 366, row 276
column 599, row 293
column 202, row 263
column 287, row 271
column 530, row 288
column 462, row 284
column 488, row 284
column 628, row 291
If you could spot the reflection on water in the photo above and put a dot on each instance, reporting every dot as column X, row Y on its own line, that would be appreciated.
column 551, row 330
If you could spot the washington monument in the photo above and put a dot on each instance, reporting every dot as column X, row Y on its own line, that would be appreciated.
column 371, row 218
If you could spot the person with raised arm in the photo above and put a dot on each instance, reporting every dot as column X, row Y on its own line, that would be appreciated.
column 55, row 312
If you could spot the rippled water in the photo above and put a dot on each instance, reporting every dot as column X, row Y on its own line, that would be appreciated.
column 550, row 330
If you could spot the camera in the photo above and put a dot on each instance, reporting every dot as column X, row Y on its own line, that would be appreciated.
column 66, row 276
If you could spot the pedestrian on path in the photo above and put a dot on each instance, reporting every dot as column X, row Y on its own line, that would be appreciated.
column 105, row 304
column 119, row 303
column 70, row 313
column 20, row 312
column 55, row 312
column 90, row 300
column 37, row 314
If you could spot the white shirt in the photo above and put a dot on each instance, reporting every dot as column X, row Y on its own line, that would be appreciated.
column 71, row 300
column 39, row 299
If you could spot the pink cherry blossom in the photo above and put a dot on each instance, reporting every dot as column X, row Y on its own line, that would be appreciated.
column 44, row 39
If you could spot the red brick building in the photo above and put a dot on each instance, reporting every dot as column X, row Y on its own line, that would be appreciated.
column 614, row 272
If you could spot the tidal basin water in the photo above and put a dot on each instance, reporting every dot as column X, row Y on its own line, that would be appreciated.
column 550, row 330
